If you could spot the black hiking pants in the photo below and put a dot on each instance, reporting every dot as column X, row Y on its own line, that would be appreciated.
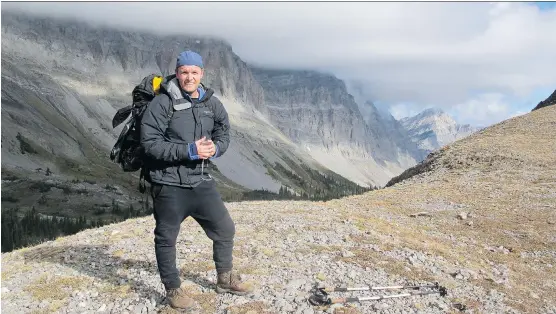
column 172, row 205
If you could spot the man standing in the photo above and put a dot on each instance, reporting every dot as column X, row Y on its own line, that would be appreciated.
column 183, row 127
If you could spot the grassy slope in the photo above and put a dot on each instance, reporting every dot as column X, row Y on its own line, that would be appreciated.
column 503, row 177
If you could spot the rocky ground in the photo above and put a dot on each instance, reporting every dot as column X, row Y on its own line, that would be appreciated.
column 481, row 222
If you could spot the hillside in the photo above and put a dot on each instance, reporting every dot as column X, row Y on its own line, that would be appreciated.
column 478, row 216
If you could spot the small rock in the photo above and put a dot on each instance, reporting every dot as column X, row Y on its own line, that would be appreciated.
column 296, row 283
column 462, row 216
column 138, row 309
column 534, row 295
column 321, row 277
column 256, row 295
column 347, row 253
column 288, row 308
column 380, row 306
column 44, row 304
column 280, row 303
column 470, row 223
column 333, row 308
column 308, row 311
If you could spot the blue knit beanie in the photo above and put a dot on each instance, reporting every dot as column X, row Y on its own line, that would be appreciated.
column 189, row 57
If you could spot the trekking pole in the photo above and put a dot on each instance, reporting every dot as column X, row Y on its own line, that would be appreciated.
column 346, row 289
column 320, row 295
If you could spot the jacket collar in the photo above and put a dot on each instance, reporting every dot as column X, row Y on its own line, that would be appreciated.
column 173, row 88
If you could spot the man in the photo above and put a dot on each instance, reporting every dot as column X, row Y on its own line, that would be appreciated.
column 183, row 127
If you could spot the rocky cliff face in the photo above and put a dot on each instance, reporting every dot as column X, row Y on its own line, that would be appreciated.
column 318, row 112
column 64, row 80
column 551, row 100
column 311, row 108
column 100, row 53
column 433, row 128
column 388, row 132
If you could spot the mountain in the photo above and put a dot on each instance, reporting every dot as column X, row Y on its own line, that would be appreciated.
column 551, row 100
column 318, row 113
column 433, row 128
column 64, row 80
column 477, row 217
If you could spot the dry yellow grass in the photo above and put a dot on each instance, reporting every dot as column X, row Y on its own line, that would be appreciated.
column 56, row 288
column 256, row 307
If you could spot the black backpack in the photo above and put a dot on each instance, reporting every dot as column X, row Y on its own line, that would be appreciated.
column 128, row 151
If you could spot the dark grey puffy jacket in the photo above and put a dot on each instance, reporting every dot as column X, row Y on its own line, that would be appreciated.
column 170, row 126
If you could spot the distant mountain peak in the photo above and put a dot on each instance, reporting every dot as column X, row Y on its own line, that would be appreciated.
column 433, row 128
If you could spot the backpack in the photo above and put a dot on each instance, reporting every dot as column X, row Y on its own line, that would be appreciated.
column 127, row 150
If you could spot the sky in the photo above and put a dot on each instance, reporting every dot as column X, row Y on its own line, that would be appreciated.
column 480, row 62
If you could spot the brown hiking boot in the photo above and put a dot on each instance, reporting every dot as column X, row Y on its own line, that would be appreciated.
column 230, row 282
column 178, row 299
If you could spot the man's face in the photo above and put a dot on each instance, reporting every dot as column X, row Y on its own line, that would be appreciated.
column 189, row 77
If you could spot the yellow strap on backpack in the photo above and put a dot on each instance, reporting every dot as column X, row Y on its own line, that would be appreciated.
column 156, row 83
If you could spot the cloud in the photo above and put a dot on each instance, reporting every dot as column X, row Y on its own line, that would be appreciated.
column 484, row 110
column 429, row 54
column 403, row 110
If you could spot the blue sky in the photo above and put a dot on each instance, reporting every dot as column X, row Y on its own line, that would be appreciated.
column 545, row 5
column 482, row 62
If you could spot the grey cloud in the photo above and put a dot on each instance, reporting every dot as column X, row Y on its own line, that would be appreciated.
column 431, row 54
